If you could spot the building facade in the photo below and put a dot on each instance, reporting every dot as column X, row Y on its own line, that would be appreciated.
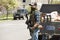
column 31, row 1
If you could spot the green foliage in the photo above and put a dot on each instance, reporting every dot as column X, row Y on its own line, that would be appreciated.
column 3, row 16
column 28, row 8
column 56, row 2
column 9, row 4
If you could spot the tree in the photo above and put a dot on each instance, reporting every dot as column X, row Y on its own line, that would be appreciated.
column 9, row 4
column 55, row 1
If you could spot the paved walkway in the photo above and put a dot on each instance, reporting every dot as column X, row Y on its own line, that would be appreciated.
column 14, row 30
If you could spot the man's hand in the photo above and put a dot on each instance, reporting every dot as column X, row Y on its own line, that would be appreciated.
column 31, row 28
column 35, row 26
column 40, row 26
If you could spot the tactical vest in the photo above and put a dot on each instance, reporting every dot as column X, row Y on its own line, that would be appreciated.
column 32, row 19
column 44, row 19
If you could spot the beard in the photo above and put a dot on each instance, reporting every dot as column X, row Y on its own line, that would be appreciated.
column 33, row 9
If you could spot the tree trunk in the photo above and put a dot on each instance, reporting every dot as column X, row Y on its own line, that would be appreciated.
column 51, row 1
column 48, row 1
column 7, row 15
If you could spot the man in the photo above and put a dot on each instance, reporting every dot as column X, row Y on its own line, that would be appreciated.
column 35, row 28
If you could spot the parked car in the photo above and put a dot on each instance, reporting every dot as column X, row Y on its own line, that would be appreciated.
column 20, row 14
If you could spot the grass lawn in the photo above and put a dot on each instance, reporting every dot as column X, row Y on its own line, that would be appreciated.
column 3, row 17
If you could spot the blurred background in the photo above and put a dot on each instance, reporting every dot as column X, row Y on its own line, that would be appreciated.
column 9, row 7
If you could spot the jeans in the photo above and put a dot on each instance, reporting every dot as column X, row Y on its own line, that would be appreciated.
column 31, row 32
column 35, row 34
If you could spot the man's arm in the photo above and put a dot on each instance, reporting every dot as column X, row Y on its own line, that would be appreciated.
column 38, row 26
column 35, row 25
column 37, row 17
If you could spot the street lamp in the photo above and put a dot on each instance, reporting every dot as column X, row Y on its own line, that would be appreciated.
column 24, row 3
